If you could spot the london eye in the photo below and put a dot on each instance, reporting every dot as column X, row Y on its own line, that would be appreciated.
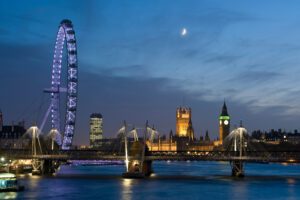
column 65, row 40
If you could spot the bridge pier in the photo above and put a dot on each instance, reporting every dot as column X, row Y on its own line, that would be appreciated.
column 43, row 167
column 147, row 168
column 138, row 169
column 136, row 165
column 48, row 167
column 237, row 168
column 37, row 166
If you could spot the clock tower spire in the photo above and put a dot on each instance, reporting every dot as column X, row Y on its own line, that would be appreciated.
column 224, row 123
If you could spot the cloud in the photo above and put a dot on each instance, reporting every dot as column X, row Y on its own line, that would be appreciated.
column 115, row 94
column 222, row 59
column 255, row 76
column 139, row 68
column 134, row 71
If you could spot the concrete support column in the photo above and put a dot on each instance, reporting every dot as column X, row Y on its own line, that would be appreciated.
column 43, row 167
column 48, row 167
column 237, row 168
column 147, row 168
column 37, row 167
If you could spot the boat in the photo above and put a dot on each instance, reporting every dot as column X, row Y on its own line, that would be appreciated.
column 9, row 183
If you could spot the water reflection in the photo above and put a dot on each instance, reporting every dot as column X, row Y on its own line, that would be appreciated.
column 127, row 186
column 291, row 188
column 240, row 190
column 127, row 189
column 175, row 180
column 291, row 181
column 34, row 181
column 8, row 195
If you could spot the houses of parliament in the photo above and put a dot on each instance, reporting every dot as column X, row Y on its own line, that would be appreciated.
column 184, row 138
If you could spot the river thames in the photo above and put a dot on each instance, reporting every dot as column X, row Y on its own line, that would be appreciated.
column 171, row 180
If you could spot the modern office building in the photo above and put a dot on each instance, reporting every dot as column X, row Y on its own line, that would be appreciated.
column 96, row 130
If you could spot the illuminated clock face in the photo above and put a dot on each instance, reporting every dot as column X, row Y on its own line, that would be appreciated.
column 226, row 122
column 220, row 122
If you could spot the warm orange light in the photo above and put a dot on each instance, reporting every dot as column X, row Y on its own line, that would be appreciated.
column 291, row 160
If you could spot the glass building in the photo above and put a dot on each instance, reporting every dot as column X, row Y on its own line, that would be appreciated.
column 96, row 130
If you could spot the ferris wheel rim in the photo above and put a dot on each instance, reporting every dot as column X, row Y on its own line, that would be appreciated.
column 65, row 40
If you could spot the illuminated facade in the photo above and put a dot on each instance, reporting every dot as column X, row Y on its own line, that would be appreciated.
column 184, row 126
column 96, row 130
column 165, row 145
column 224, row 123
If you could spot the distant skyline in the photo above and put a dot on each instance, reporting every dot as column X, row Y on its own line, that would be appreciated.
column 137, row 63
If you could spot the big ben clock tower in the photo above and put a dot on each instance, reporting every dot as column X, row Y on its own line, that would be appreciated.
column 224, row 123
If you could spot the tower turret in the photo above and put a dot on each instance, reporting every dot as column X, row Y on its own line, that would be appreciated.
column 207, row 138
column 171, row 135
column 183, row 116
column 190, row 131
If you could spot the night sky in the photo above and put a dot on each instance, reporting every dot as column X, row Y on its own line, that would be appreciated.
column 135, row 65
